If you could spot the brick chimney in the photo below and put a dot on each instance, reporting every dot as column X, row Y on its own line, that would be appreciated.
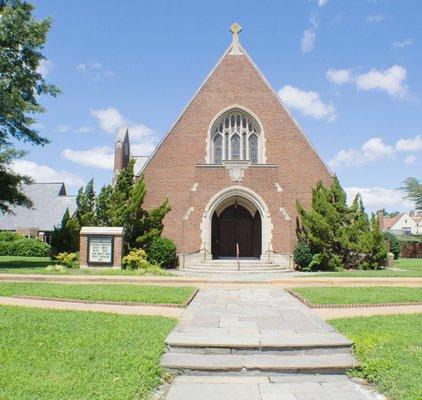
column 380, row 216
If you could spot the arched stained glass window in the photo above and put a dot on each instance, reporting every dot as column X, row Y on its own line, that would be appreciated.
column 236, row 135
column 218, row 148
column 253, row 148
column 235, row 146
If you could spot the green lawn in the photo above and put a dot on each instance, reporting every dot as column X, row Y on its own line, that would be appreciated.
column 109, row 292
column 390, row 350
column 360, row 295
column 36, row 265
column 409, row 267
column 49, row 354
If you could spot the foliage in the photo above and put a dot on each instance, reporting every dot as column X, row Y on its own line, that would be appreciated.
column 8, row 236
column 65, row 238
column 136, row 259
column 389, row 214
column 340, row 236
column 360, row 295
column 302, row 254
column 69, row 260
column 85, row 202
column 162, row 252
column 27, row 247
column 413, row 191
column 394, row 244
column 21, row 86
column 80, row 355
column 56, row 268
column 388, row 348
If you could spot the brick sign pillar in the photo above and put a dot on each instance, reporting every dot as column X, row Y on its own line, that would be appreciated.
column 101, row 247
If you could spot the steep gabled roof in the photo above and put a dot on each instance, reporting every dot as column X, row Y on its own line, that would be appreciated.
column 50, row 203
column 239, row 51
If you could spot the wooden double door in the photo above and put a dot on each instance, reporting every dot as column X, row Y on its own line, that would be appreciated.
column 236, row 225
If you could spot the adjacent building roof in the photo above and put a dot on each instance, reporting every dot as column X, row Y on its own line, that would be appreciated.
column 50, row 202
column 140, row 161
column 389, row 222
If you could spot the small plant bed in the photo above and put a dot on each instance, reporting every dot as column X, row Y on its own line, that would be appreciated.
column 389, row 350
column 347, row 297
column 101, row 293
column 403, row 267
column 51, row 354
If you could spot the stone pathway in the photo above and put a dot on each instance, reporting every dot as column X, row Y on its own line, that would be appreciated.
column 258, row 344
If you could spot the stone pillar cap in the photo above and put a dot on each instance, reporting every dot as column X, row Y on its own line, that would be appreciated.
column 102, row 230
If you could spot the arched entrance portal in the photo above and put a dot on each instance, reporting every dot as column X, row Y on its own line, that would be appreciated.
column 236, row 226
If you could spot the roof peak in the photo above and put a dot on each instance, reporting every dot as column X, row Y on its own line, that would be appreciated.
column 236, row 49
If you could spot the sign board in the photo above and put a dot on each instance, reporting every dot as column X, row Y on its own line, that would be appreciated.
column 100, row 250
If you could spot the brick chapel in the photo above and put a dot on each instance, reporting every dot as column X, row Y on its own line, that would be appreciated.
column 245, row 162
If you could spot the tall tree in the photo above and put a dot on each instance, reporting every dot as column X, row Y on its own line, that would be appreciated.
column 86, row 205
column 21, row 84
column 413, row 191
column 339, row 236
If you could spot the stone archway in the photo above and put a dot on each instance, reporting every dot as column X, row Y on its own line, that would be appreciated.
column 250, row 202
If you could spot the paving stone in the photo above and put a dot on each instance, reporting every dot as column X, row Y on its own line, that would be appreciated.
column 202, row 362
column 212, row 391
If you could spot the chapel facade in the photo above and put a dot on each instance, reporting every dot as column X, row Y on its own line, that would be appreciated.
column 233, row 166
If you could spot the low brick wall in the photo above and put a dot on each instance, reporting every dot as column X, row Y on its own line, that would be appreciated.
column 410, row 250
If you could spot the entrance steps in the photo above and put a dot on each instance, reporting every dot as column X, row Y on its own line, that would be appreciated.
column 247, row 266
column 328, row 353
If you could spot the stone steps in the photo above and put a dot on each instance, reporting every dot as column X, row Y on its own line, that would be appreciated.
column 206, row 364
column 300, row 344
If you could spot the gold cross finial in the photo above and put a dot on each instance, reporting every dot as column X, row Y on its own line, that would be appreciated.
column 235, row 29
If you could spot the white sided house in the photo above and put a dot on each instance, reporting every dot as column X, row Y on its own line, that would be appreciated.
column 407, row 223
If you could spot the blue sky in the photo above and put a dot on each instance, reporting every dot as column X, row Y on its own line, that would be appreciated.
column 349, row 71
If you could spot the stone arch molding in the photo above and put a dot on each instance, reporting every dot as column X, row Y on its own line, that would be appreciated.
column 262, row 149
column 245, row 194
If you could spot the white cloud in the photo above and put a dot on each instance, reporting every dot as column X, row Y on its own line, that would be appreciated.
column 412, row 144
column 375, row 18
column 391, row 80
column 403, row 43
column 44, row 173
column 410, row 159
column 142, row 138
column 44, row 67
column 95, row 71
column 308, row 103
column 109, row 118
column 100, row 157
column 372, row 150
column 308, row 40
column 322, row 3
column 375, row 198
column 82, row 68
column 84, row 129
column 62, row 129
column 339, row 76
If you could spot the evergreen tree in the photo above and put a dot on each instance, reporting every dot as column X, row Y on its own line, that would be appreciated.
column 86, row 205
column 102, row 205
column 65, row 238
column 21, row 85
column 339, row 236
column 413, row 190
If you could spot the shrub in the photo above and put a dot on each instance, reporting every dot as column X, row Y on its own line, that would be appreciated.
column 136, row 259
column 7, row 236
column 25, row 247
column 394, row 244
column 302, row 254
column 162, row 252
column 56, row 268
column 69, row 260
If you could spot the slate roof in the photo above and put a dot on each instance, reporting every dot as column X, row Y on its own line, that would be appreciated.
column 50, row 203
column 140, row 162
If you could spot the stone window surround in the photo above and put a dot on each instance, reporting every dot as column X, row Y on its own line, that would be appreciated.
column 261, row 135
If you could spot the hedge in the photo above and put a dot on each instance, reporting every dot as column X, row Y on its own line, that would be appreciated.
column 26, row 247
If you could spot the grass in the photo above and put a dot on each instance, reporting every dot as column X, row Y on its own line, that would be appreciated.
column 99, row 292
column 390, row 350
column 36, row 265
column 408, row 267
column 68, row 355
column 360, row 295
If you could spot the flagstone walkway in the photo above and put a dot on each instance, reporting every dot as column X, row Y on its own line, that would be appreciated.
column 258, row 344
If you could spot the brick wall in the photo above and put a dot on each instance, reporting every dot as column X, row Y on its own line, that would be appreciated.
column 173, row 170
